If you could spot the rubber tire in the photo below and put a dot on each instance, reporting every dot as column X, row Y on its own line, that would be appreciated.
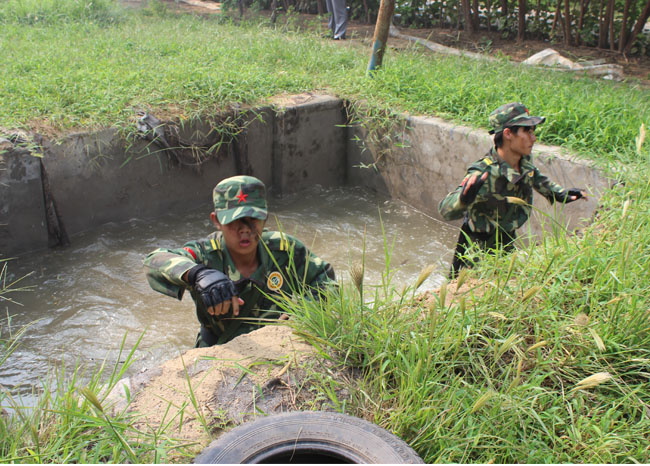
column 308, row 437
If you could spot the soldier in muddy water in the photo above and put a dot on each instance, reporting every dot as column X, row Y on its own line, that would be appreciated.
column 234, row 274
column 496, row 195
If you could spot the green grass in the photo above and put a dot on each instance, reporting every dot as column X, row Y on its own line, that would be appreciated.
column 499, row 374
column 96, row 69
column 72, row 420
column 55, row 12
column 494, row 376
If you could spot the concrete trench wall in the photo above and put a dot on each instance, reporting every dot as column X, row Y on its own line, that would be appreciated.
column 429, row 159
column 90, row 179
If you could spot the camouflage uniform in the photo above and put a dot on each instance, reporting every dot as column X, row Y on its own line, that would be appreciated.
column 285, row 266
column 504, row 201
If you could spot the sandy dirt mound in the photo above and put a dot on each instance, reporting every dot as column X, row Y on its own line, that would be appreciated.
column 206, row 390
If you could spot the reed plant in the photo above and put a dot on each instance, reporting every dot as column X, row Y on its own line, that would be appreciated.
column 541, row 355
column 70, row 418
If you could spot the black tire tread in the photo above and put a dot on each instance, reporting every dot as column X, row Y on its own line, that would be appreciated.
column 350, row 437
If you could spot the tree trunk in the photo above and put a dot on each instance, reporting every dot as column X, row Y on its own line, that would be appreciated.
column 602, row 27
column 583, row 8
column 442, row 15
column 366, row 11
column 606, row 29
column 488, row 14
column 610, row 24
column 558, row 16
column 638, row 27
column 274, row 11
column 468, row 24
column 475, row 17
column 567, row 22
column 623, row 35
column 521, row 25
column 504, row 9
column 384, row 18
column 321, row 8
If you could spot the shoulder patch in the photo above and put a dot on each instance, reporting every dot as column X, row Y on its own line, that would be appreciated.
column 274, row 281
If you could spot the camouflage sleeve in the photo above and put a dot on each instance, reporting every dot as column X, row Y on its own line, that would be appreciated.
column 165, row 268
column 551, row 191
column 310, row 269
column 450, row 207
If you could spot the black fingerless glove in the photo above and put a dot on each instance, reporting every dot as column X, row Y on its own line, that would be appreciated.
column 213, row 286
column 573, row 192
column 469, row 196
column 565, row 196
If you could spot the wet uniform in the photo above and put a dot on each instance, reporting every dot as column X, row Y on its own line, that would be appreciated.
column 493, row 218
column 285, row 266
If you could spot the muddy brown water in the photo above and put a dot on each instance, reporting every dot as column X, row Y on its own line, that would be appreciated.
column 86, row 298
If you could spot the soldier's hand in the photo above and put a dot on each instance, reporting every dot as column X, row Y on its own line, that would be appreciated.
column 217, row 291
column 574, row 194
column 471, row 187
column 224, row 307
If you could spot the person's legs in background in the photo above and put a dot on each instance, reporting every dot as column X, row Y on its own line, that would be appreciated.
column 340, row 18
column 330, row 18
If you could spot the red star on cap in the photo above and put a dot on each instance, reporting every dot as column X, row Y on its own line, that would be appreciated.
column 242, row 197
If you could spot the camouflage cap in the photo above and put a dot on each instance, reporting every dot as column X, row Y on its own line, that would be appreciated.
column 513, row 114
column 238, row 197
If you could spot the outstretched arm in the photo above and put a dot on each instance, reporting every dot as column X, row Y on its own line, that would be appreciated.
column 570, row 195
column 454, row 205
column 171, row 271
column 554, row 192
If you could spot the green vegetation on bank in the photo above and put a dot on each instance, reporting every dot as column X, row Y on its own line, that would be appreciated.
column 97, row 72
column 72, row 420
column 542, row 356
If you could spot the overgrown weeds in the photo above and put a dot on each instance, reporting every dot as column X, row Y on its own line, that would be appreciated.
column 543, row 357
column 72, row 419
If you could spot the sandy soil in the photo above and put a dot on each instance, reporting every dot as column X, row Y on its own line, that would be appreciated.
column 206, row 390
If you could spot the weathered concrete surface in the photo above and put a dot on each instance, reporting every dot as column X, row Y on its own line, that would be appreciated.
column 310, row 143
column 431, row 160
column 22, row 208
column 297, row 141
column 99, row 177
column 96, row 180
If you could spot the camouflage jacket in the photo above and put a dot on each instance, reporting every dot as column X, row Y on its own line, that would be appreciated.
column 285, row 266
column 499, row 201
